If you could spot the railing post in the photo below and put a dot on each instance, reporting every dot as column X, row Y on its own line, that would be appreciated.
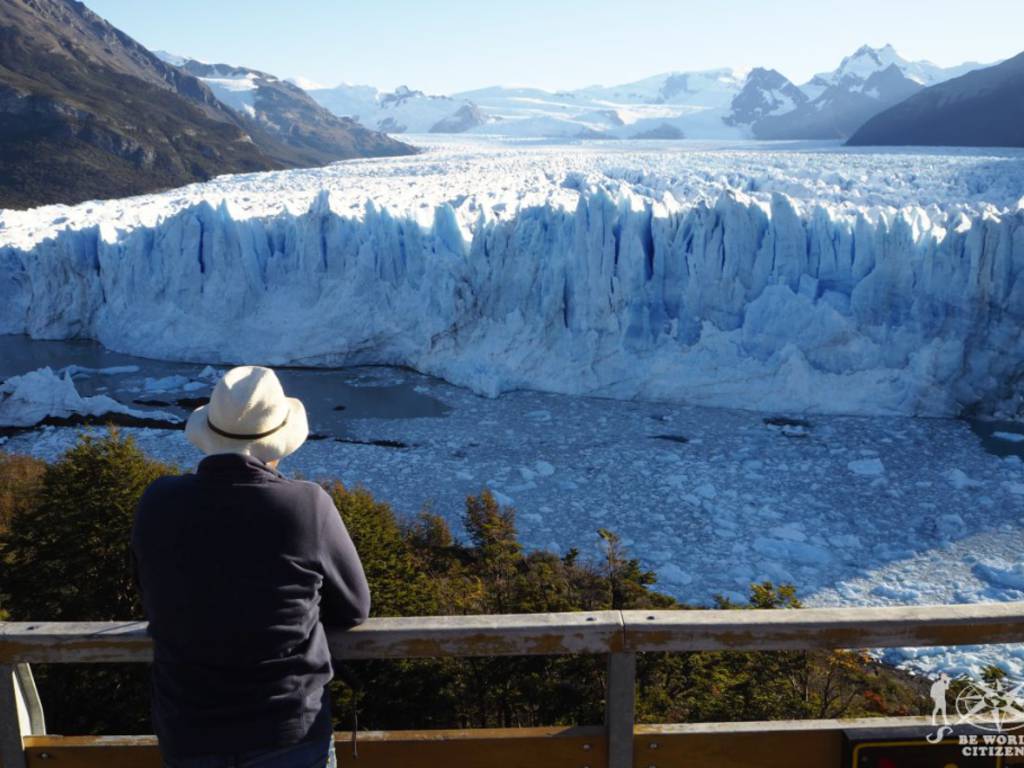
column 20, row 714
column 25, row 686
column 620, row 709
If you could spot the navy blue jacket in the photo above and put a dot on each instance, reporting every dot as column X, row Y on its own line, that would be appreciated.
column 240, row 569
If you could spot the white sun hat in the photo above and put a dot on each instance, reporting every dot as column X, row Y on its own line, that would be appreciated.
column 248, row 413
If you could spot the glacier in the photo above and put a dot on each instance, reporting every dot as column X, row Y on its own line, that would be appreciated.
column 802, row 280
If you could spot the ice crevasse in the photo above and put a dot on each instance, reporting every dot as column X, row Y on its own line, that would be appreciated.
column 765, row 304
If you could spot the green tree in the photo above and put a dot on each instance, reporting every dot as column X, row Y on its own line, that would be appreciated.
column 65, row 557
column 398, row 586
column 628, row 583
column 496, row 553
column 20, row 480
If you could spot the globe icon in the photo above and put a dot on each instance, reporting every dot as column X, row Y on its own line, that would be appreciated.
column 995, row 706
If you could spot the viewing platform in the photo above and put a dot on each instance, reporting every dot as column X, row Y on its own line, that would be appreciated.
column 620, row 635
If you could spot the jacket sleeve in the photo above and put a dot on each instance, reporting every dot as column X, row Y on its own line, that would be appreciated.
column 345, row 595
column 133, row 554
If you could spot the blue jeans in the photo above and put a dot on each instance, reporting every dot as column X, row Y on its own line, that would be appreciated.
column 306, row 754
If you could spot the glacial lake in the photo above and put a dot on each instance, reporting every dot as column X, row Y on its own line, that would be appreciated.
column 852, row 510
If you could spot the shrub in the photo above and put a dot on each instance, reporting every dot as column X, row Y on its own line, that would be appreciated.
column 65, row 557
column 20, row 481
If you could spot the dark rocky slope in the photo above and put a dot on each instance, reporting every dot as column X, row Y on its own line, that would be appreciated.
column 87, row 112
column 303, row 132
column 984, row 108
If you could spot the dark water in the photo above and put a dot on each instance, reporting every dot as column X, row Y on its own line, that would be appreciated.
column 332, row 396
column 995, row 437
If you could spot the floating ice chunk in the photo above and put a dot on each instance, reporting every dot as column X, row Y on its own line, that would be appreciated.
column 950, row 524
column 544, row 468
column 959, row 480
column 901, row 594
column 790, row 532
column 1010, row 437
column 30, row 398
column 706, row 491
column 847, row 541
column 527, row 486
column 1001, row 574
column 502, row 499
column 792, row 551
column 113, row 370
column 209, row 373
column 673, row 574
column 867, row 467
column 165, row 384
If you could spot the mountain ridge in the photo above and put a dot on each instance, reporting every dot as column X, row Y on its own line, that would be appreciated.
column 308, row 133
column 714, row 103
column 984, row 107
column 87, row 112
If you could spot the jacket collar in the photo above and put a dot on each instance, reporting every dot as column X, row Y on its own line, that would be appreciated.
column 235, row 466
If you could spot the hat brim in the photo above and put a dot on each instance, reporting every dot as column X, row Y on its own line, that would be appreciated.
column 274, row 447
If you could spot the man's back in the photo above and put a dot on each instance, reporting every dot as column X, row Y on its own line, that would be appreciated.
column 237, row 566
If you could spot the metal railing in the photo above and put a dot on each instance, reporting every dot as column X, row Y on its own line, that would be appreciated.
column 618, row 634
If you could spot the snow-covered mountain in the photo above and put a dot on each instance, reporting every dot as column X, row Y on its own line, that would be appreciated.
column 305, row 83
column 981, row 108
column 403, row 110
column 765, row 93
column 266, row 105
column 710, row 104
column 866, row 61
column 865, row 83
column 713, row 87
column 86, row 111
column 671, row 105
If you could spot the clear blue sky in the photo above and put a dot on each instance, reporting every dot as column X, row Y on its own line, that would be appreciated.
column 444, row 46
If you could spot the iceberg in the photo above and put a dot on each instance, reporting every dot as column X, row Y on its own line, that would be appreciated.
column 41, row 395
column 766, row 293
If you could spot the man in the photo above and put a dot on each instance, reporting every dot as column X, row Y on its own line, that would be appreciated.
column 240, row 569
column 938, row 694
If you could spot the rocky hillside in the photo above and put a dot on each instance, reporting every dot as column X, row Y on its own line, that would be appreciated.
column 984, row 108
column 306, row 132
column 87, row 112
column 837, row 103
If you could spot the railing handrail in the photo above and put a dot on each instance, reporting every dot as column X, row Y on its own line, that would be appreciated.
column 593, row 632
column 619, row 634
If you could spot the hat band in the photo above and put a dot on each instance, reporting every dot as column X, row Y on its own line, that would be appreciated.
column 256, row 436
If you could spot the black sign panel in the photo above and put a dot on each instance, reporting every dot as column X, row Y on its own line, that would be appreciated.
column 916, row 754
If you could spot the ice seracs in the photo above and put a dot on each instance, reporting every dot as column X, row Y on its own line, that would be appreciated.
column 829, row 282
